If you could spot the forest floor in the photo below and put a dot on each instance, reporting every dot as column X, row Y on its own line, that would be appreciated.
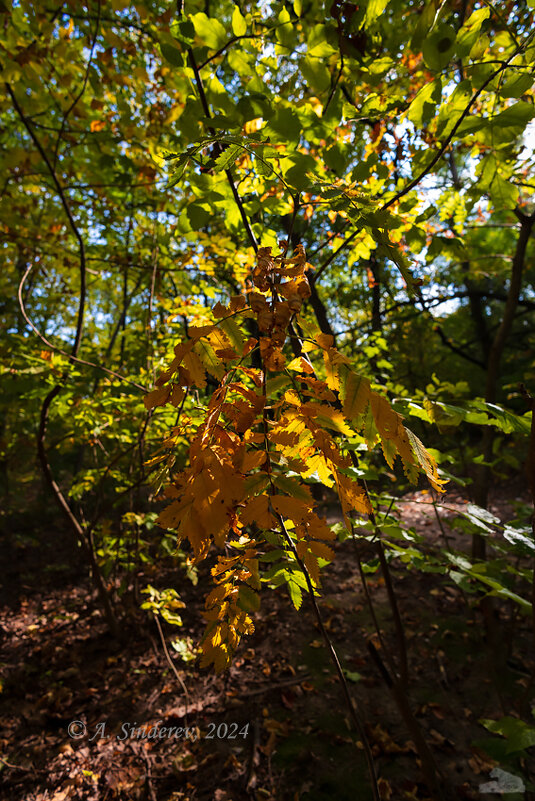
column 275, row 726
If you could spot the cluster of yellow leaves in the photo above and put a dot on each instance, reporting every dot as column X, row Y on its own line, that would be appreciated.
column 228, row 606
column 273, row 315
column 235, row 493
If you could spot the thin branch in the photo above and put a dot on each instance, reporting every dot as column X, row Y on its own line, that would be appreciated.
column 335, row 660
column 26, row 122
column 449, row 344
column 515, row 286
column 173, row 668
column 228, row 173
column 335, row 84
column 227, row 44
column 83, row 88
column 68, row 356
column 415, row 181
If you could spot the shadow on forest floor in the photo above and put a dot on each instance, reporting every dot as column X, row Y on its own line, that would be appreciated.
column 275, row 725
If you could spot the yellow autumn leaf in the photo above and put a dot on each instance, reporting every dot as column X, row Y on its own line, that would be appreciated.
column 355, row 394
column 321, row 550
column 252, row 460
column 324, row 340
column 291, row 508
column 321, row 466
column 333, row 360
column 352, row 497
column 386, row 419
column 256, row 510
column 300, row 365
column 177, row 395
column 311, row 564
column 195, row 369
column 158, row 397
column 426, row 461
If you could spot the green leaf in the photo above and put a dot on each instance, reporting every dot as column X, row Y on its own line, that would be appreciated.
column 284, row 30
column 184, row 31
column 227, row 158
column 498, row 589
column 517, row 85
column 239, row 24
column 394, row 254
column 273, row 556
column 296, row 594
column 480, row 517
column 452, row 108
column 316, row 74
column 519, row 734
column 248, row 599
column 469, row 33
column 423, row 106
column 352, row 675
column 504, row 194
column 519, row 537
column 425, row 24
column 506, row 421
column 285, row 124
column 299, row 174
column 294, row 487
column 209, row 30
column 318, row 44
column 177, row 175
column 374, row 9
column 198, row 215
column 517, row 115
column 438, row 49
column 240, row 62
column 471, row 124
column 263, row 167
column 172, row 54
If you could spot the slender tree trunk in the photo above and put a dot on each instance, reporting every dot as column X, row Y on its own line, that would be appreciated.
column 320, row 311
column 377, row 320
column 495, row 353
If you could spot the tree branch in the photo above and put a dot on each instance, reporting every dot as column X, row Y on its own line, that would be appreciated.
column 513, row 295
column 26, row 122
column 84, row 84
column 228, row 173
column 54, row 348
column 415, row 181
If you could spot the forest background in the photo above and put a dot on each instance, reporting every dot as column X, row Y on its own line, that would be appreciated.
column 148, row 151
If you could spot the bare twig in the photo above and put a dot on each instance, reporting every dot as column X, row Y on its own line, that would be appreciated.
column 64, row 202
column 335, row 84
column 270, row 687
column 173, row 668
column 54, row 348
column 228, row 173
column 82, row 89
column 530, row 475
column 76, row 528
